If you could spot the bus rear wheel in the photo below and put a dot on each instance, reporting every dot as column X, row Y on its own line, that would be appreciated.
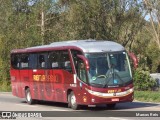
column 28, row 97
column 72, row 101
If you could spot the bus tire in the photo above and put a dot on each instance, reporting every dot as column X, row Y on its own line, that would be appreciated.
column 111, row 106
column 69, row 99
column 28, row 97
column 72, row 101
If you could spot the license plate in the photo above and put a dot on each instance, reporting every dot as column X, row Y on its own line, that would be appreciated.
column 115, row 99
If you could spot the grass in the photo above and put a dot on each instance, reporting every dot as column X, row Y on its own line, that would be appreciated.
column 147, row 96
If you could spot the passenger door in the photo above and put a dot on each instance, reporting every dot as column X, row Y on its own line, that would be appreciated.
column 61, row 73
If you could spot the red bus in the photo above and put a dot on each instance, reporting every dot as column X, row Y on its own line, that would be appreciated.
column 84, row 72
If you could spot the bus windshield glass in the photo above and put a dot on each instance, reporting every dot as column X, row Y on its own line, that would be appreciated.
column 109, row 69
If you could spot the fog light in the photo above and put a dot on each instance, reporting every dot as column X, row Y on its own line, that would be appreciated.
column 93, row 100
column 84, row 99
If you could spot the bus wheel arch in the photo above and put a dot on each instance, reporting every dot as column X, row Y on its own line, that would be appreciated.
column 28, row 96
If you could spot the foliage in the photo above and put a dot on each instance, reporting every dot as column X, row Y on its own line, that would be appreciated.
column 152, row 8
column 5, row 86
column 143, row 80
column 146, row 50
column 99, row 19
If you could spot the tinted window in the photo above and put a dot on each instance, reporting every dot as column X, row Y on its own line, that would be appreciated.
column 53, row 60
column 42, row 60
column 24, row 58
column 64, row 61
column 33, row 61
column 15, row 61
column 20, row 61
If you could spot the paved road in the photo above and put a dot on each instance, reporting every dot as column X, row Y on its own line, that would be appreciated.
column 121, row 112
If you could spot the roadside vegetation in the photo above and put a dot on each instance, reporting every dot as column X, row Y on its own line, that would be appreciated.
column 146, row 88
column 147, row 96
column 5, row 87
column 143, row 81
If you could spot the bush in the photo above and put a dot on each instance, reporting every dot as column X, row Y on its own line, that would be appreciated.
column 143, row 80
column 5, row 86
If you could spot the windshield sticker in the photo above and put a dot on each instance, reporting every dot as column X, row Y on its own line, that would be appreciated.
column 115, row 81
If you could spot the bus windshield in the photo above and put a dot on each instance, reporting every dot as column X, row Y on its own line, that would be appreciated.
column 109, row 69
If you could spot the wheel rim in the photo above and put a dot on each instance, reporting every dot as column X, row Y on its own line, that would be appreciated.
column 28, row 96
column 73, row 100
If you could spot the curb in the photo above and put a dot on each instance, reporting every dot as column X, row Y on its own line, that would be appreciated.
column 146, row 102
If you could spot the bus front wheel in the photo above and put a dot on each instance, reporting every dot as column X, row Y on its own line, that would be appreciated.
column 29, row 99
column 72, row 101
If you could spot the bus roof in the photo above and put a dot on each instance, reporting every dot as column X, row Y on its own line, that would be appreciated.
column 84, row 45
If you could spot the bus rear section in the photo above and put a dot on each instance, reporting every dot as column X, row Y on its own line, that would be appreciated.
column 43, row 75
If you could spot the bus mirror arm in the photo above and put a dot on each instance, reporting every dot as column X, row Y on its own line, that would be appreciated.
column 85, row 60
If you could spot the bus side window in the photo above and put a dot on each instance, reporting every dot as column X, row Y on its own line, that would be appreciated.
column 33, row 61
column 24, row 61
column 53, row 60
column 15, row 61
column 65, row 61
column 42, row 60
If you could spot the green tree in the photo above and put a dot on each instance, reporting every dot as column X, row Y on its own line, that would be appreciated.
column 100, row 19
column 152, row 8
